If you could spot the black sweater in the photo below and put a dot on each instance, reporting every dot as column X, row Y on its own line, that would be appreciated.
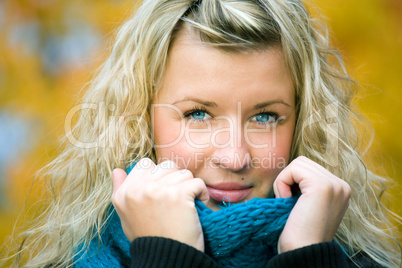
column 161, row 252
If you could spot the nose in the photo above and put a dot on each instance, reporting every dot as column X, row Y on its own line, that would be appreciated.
column 231, row 151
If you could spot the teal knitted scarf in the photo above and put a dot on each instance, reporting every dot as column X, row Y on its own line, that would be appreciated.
column 246, row 234
column 238, row 235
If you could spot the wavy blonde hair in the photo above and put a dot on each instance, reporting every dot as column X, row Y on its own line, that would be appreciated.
column 327, row 129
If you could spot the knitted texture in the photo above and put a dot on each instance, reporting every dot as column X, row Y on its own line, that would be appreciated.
column 245, row 234
column 238, row 235
column 112, row 251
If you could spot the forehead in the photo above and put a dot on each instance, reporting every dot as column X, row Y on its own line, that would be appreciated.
column 194, row 68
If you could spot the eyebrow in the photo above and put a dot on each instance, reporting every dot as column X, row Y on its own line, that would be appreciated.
column 268, row 103
column 213, row 104
column 203, row 102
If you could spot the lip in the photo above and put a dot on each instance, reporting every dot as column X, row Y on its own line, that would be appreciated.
column 229, row 192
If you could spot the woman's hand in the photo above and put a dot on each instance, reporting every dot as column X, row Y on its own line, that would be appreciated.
column 319, row 210
column 158, row 200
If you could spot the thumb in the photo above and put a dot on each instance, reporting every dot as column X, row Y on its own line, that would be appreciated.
column 283, row 183
column 119, row 177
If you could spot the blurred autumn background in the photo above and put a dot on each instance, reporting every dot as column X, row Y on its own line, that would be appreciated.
column 50, row 48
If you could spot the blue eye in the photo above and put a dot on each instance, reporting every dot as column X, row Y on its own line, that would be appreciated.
column 265, row 117
column 262, row 118
column 199, row 115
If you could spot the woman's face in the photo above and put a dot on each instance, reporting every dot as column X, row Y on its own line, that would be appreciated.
column 226, row 117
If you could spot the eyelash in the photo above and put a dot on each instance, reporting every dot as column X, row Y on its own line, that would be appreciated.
column 187, row 115
column 273, row 114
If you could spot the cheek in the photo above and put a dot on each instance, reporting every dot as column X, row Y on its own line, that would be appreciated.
column 172, row 143
column 166, row 132
column 167, row 139
column 282, row 144
column 186, row 145
column 270, row 161
column 185, row 156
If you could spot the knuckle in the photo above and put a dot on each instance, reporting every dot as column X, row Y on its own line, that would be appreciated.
column 338, row 190
column 326, row 187
column 173, row 195
column 302, row 158
column 200, row 181
column 134, row 200
column 117, row 198
column 144, row 163
column 347, row 189
column 294, row 167
column 186, row 173
column 165, row 166
column 168, row 164
column 150, row 191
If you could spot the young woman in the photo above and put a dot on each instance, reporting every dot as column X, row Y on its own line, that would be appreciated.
column 215, row 107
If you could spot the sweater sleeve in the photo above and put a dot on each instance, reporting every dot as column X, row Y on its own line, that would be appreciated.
column 322, row 255
column 153, row 252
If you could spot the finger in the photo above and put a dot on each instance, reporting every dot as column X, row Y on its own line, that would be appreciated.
column 143, row 166
column 282, row 183
column 310, row 163
column 119, row 176
column 316, row 168
column 163, row 169
column 276, row 191
column 346, row 189
column 313, row 170
column 296, row 173
column 197, row 190
column 168, row 164
column 293, row 174
column 177, row 177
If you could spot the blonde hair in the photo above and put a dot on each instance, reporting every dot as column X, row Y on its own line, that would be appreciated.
column 80, row 180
